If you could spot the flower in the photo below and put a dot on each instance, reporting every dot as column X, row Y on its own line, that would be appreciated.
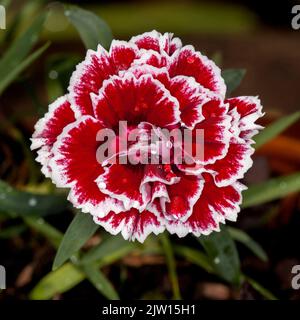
column 152, row 82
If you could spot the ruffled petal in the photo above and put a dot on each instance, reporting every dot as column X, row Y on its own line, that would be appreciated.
column 182, row 197
column 122, row 182
column 135, row 100
column 161, row 43
column 214, row 206
column 234, row 165
column 87, row 78
column 152, row 58
column 188, row 62
column 49, row 128
column 191, row 97
column 75, row 166
column 249, row 109
column 147, row 40
column 215, row 132
column 122, row 54
column 132, row 224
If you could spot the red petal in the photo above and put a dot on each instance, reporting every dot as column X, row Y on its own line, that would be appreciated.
column 160, row 74
column 49, row 128
column 189, row 62
column 132, row 224
column 249, row 109
column 75, row 166
column 161, row 43
column 87, row 78
column 122, row 182
column 191, row 97
column 135, row 100
column 214, row 206
column 183, row 195
column 234, row 165
column 216, row 132
column 152, row 58
column 147, row 40
column 122, row 54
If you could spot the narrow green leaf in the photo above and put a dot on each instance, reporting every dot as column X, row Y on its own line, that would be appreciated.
column 273, row 189
column 18, row 68
column 91, row 28
column 15, row 55
column 259, row 288
column 26, row 203
column 41, row 226
column 171, row 263
column 79, row 231
column 223, row 255
column 275, row 129
column 233, row 78
column 194, row 256
column 100, row 282
column 110, row 250
column 245, row 239
column 57, row 282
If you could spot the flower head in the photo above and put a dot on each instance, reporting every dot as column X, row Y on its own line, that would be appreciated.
column 145, row 96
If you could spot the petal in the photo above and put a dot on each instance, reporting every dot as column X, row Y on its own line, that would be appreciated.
column 157, row 42
column 122, row 182
column 191, row 97
column 132, row 224
column 188, row 62
column 122, row 54
column 249, row 109
column 175, row 45
column 75, row 166
column 182, row 197
column 214, row 206
column 160, row 74
column 152, row 58
column 135, row 100
column 147, row 40
column 215, row 130
column 49, row 128
column 87, row 78
column 234, row 165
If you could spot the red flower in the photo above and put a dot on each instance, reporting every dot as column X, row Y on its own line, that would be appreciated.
column 151, row 82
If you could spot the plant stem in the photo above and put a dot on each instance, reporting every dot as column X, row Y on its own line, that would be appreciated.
column 171, row 264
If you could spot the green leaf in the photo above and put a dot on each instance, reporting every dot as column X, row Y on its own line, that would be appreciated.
column 272, row 189
column 233, row 78
column 17, row 69
column 223, row 255
column 28, row 204
column 15, row 55
column 79, row 231
column 57, row 282
column 194, row 256
column 171, row 264
column 91, row 28
column 110, row 250
column 275, row 129
column 100, row 282
column 259, row 288
column 245, row 239
column 41, row 226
